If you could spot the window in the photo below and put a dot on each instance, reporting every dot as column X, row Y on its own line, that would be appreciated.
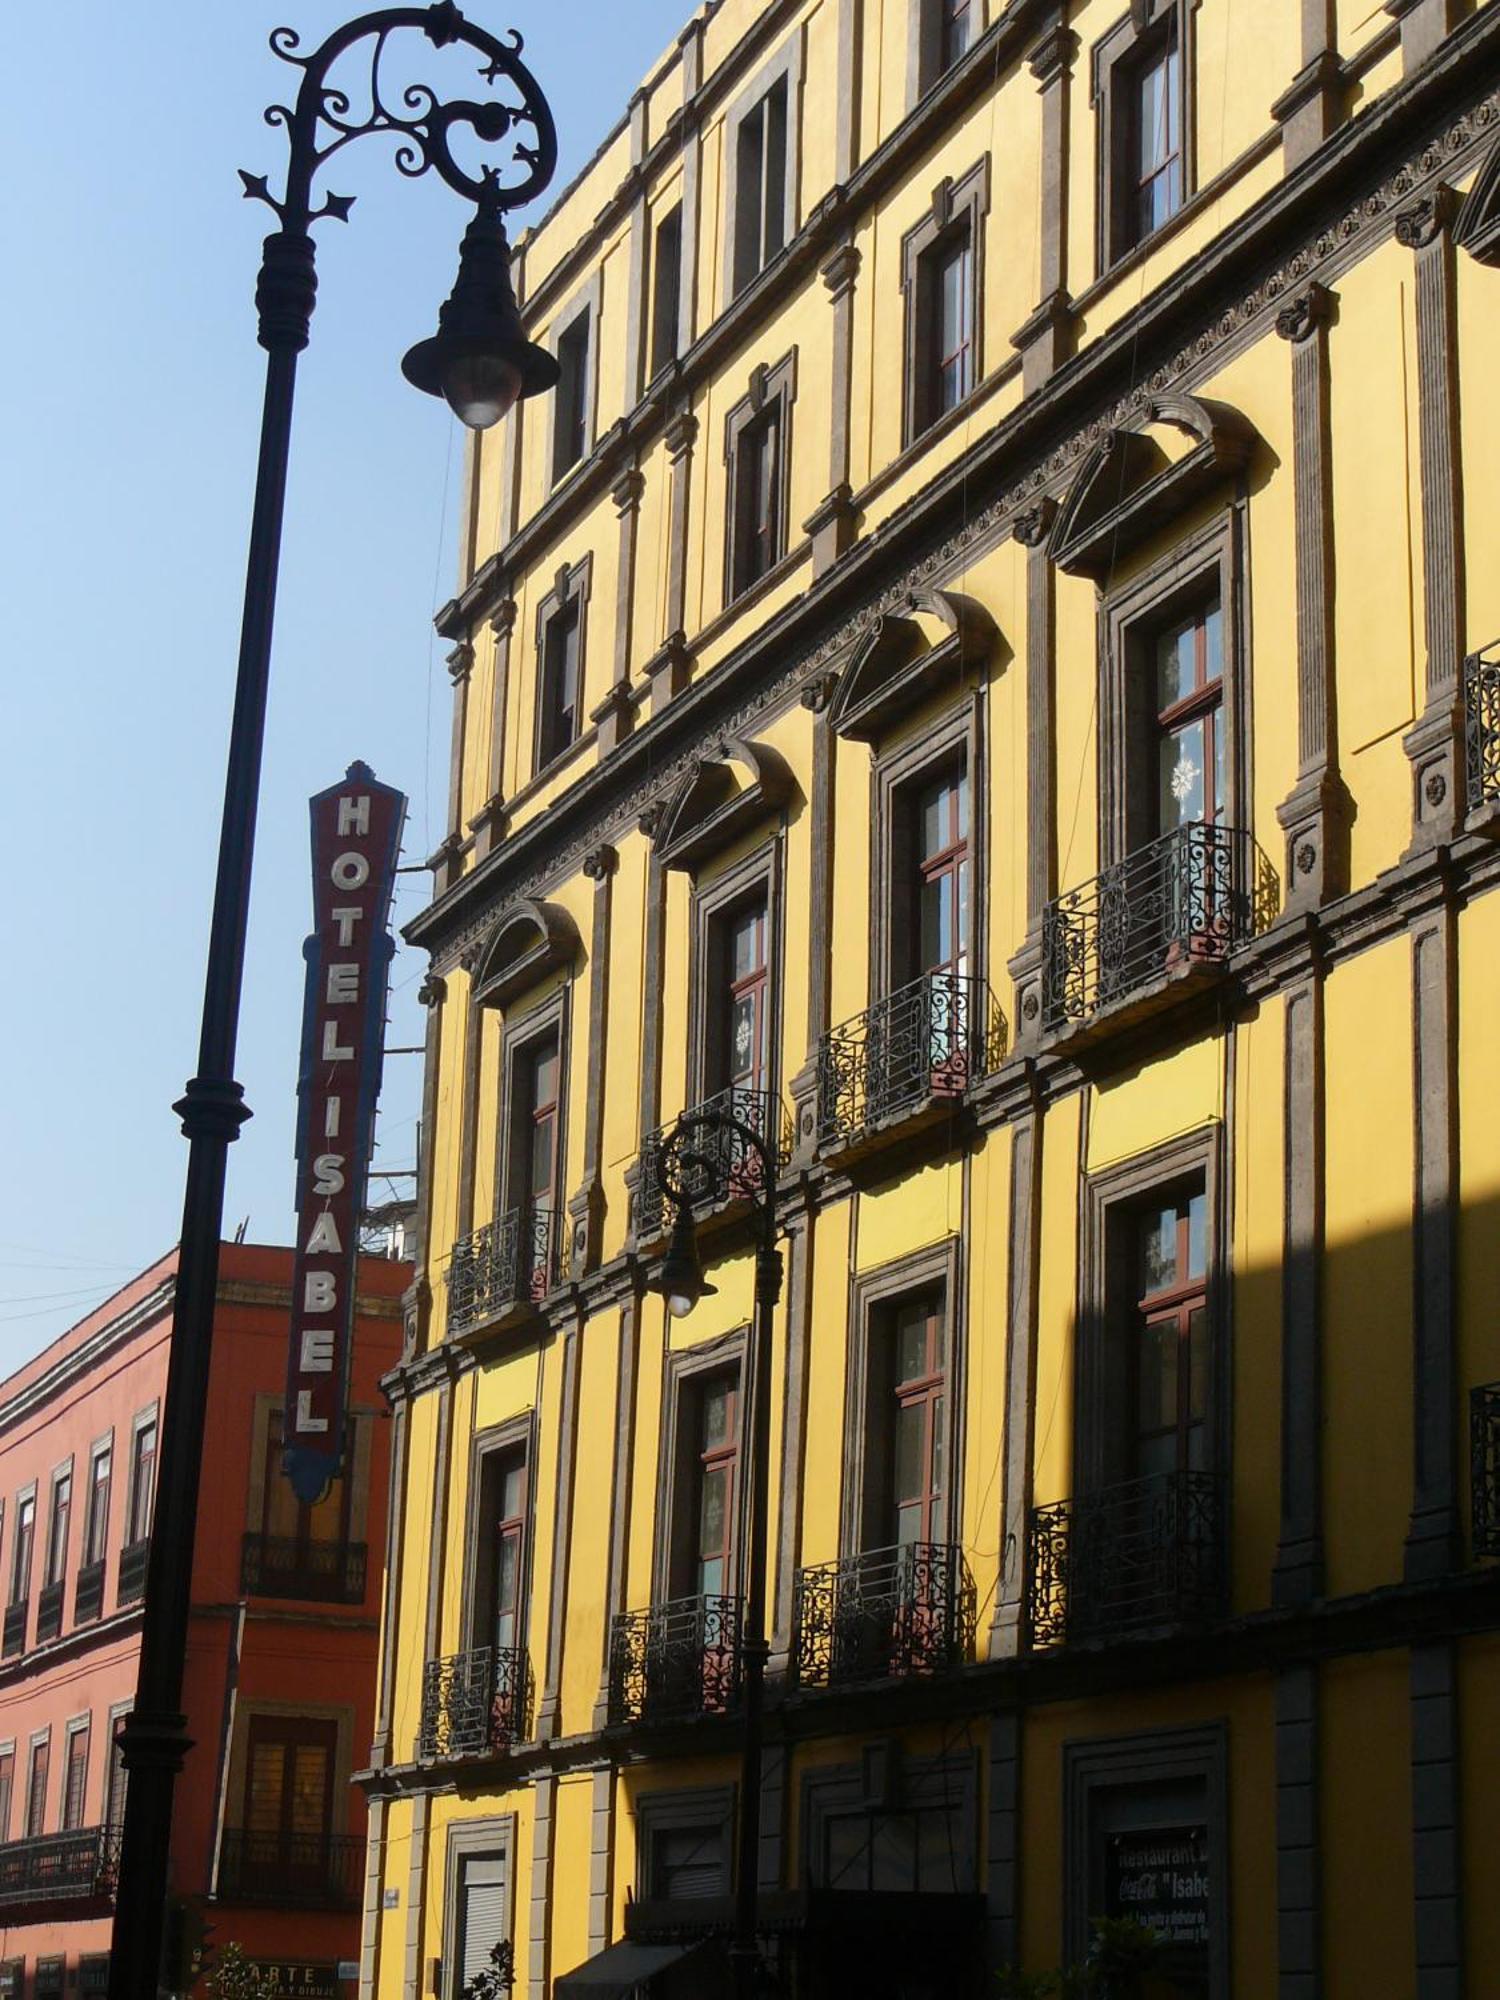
column 483, row 1913
column 560, row 639
column 96, row 1522
column 57, row 1527
column 573, row 395
column 559, row 701
column 288, row 1799
column 20, row 1561
column 300, row 1524
column 142, row 1480
column 539, row 1078
column 13, row 1978
column 1140, row 72
column 36, row 1788
column 75, row 1776
column 955, row 29
column 666, row 294
column 1170, row 1358
column 899, row 1421
column 757, row 447
column 49, row 1979
column 940, row 887
column 704, row 1496
column 1187, row 656
column 7, row 1784
column 941, row 33
column 116, row 1777
column 504, row 1533
column 913, row 1469
column 1144, row 1837
column 683, row 1844
column 738, row 1032
column 760, row 185
column 93, row 1975
column 940, row 279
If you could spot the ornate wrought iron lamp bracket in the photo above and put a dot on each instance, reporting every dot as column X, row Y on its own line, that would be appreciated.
column 326, row 117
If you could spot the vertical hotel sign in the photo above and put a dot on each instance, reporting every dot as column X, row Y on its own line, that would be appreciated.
column 356, row 837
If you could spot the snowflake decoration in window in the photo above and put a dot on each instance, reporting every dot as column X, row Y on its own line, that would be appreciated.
column 1183, row 780
column 742, row 1038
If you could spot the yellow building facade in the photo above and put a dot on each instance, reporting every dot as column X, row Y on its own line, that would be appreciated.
column 978, row 670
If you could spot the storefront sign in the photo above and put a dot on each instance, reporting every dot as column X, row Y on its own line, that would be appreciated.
column 356, row 838
column 297, row 1982
column 1159, row 1876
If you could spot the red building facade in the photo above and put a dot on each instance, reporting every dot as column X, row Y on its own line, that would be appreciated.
column 268, row 1834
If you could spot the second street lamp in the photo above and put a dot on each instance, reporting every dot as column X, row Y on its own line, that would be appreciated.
column 480, row 360
column 708, row 1155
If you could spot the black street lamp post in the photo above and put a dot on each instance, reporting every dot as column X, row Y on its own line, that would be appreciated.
column 481, row 362
column 707, row 1156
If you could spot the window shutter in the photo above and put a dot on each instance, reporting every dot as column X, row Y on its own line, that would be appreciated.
column 482, row 1913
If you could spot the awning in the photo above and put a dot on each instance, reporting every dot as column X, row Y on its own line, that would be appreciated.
column 620, row 1968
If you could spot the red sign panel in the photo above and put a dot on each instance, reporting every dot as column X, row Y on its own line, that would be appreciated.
column 356, row 838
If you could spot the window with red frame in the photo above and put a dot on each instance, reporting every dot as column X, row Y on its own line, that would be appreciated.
column 36, row 1789
column 1171, row 1344
column 75, row 1778
column 714, row 1484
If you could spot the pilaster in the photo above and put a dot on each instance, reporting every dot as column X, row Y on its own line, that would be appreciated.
column 539, row 1928
column 1314, row 814
column 601, row 1860
column 833, row 523
column 616, row 713
column 690, row 44
column 586, row 1209
column 653, row 947
column 1313, row 103
column 1298, row 1574
column 1027, row 969
column 620, row 1489
column 549, row 1708
column 1045, row 339
column 680, row 436
column 804, row 1085
column 1003, row 1846
column 1437, row 1852
column 1008, row 1631
column 636, row 302
column 488, row 824
column 1435, row 745
column 1424, row 26
column 1298, row 1843
column 788, row 1552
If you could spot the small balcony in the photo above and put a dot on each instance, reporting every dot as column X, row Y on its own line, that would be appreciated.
column 88, row 1593
column 1482, row 726
column 59, row 1867
column 910, row 1056
column 497, row 1275
column 131, row 1587
column 1484, row 1467
column 49, row 1611
column 1171, row 912
column 13, row 1634
column 308, row 1871
column 1147, row 1552
column 675, row 1662
column 883, row 1615
column 726, row 1163
column 475, row 1704
column 311, row 1572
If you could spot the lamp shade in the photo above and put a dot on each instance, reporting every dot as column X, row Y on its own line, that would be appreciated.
column 682, row 1282
column 480, row 360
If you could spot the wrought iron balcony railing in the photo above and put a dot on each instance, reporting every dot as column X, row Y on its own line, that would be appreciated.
column 88, row 1592
column 882, row 1615
column 1145, row 1552
column 929, row 1041
column 1183, row 901
column 728, row 1168
column 59, row 1867
column 477, row 1703
column 131, row 1587
column 49, row 1611
column 678, row 1660
column 506, row 1264
column 310, row 1871
column 1484, row 1466
column 312, row 1572
column 13, row 1633
column 1482, row 725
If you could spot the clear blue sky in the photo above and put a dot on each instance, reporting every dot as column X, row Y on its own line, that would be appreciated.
column 130, row 413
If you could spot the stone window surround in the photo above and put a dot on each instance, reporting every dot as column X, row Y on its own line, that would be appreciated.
column 487, row 1443
column 586, row 301
column 658, row 216
column 958, row 208
column 680, row 1812
column 785, row 64
column 771, row 391
column 573, row 584
column 683, row 1369
column 1112, row 60
column 884, row 1779
column 1130, row 614
column 62, row 1470
column 873, row 1294
column 76, row 1725
column 14, row 1595
column 713, row 901
column 470, row 1839
column 117, row 1713
column 361, row 1422
column 1109, row 1197
column 1143, row 1758
column 896, row 774
column 923, row 23
column 142, row 1420
column 254, row 1707
column 549, row 1016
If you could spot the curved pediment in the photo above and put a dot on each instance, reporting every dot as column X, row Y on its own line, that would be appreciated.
column 1477, row 229
column 1135, row 482
column 900, row 662
column 530, row 941
column 721, row 799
